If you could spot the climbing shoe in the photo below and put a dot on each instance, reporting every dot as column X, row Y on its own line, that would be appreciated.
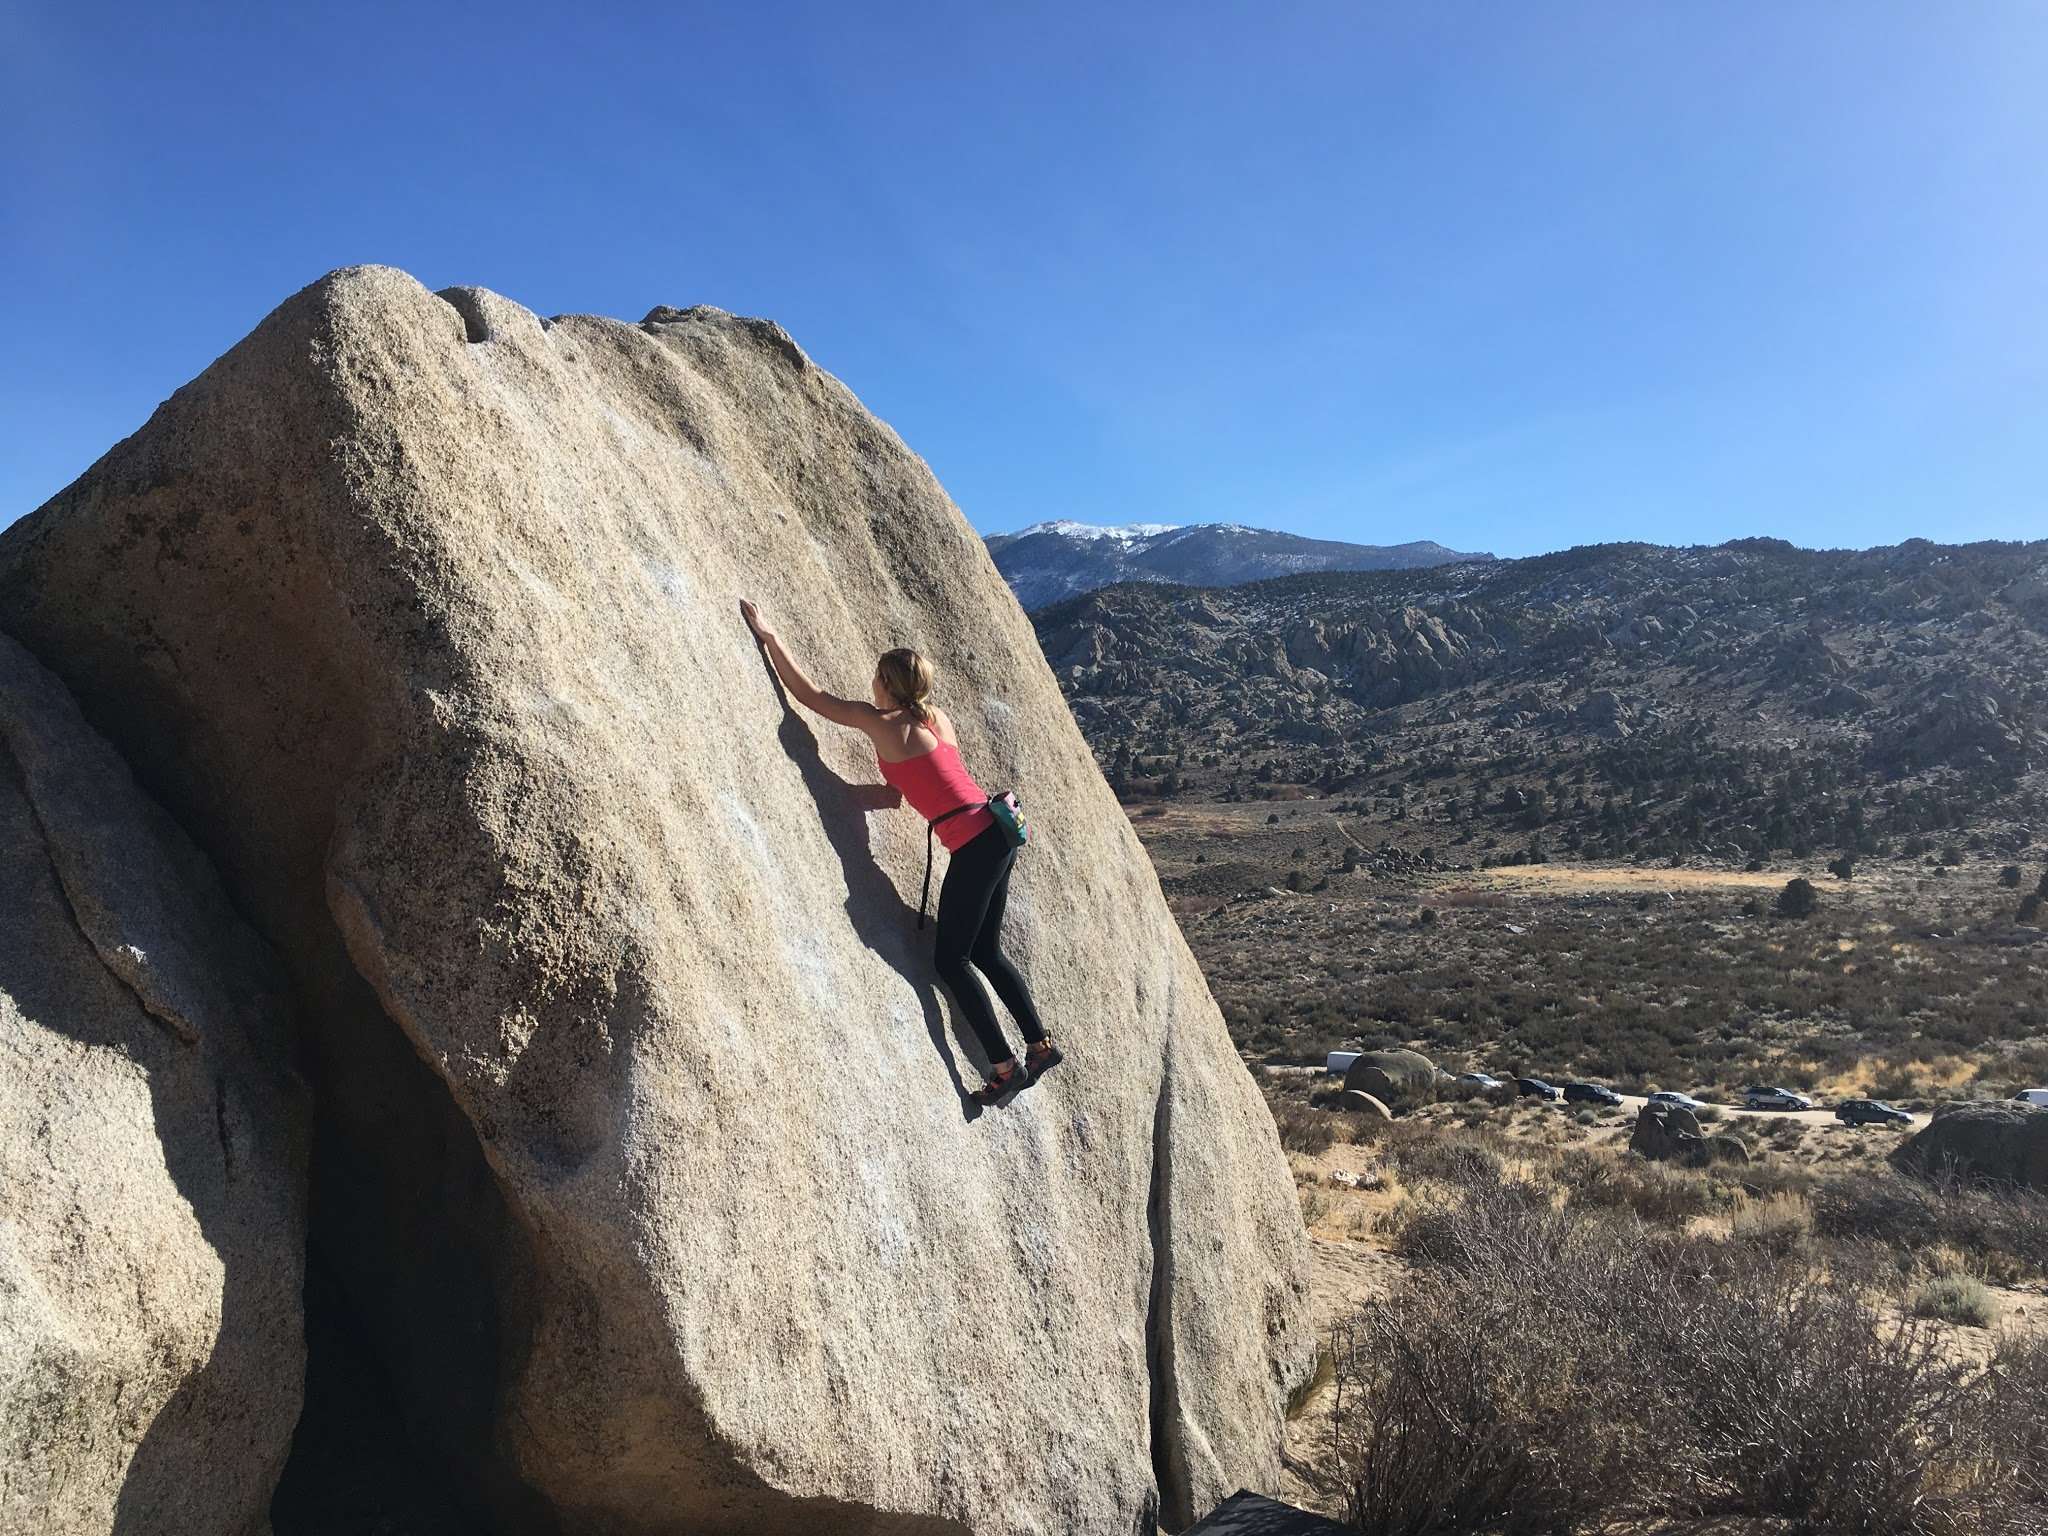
column 1039, row 1060
column 997, row 1089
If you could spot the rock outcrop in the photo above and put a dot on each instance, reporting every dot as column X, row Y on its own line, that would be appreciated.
column 2004, row 1140
column 643, row 1169
column 1669, row 1133
column 151, row 1157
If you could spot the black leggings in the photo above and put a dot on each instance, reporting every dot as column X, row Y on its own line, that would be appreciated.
column 971, row 903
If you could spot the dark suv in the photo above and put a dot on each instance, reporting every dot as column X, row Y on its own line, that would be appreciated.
column 1870, row 1112
column 1591, row 1093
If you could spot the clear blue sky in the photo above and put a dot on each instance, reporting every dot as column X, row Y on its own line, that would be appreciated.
column 1511, row 276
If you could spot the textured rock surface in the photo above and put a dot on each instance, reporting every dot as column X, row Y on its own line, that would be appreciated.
column 1669, row 1133
column 1727, row 1149
column 1400, row 1079
column 672, row 1216
column 1362, row 1103
column 151, row 1165
column 2006, row 1140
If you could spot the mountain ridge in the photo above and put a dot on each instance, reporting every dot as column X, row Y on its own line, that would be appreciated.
column 1048, row 561
column 1861, row 697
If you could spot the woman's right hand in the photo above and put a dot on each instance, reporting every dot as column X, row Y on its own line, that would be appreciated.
column 752, row 615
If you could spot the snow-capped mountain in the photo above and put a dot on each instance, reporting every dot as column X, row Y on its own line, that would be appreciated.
column 1092, row 531
column 1052, row 560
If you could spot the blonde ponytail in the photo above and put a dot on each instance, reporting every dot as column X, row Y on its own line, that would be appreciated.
column 907, row 678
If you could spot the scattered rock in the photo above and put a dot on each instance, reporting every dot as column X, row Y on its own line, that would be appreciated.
column 1969, row 721
column 1605, row 710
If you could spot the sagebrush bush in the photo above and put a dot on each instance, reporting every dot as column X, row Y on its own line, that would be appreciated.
column 1783, row 1224
column 1550, row 1371
column 1959, row 1299
column 1304, row 1130
column 1657, row 1193
column 2002, row 1225
column 1461, row 1161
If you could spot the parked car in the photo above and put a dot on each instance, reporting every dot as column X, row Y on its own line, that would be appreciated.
column 1870, row 1112
column 1591, row 1093
column 1484, row 1082
column 1534, row 1088
column 1676, row 1101
column 2033, row 1096
column 1339, row 1062
column 1775, row 1098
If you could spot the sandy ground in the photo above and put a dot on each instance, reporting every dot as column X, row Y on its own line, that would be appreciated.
column 1580, row 877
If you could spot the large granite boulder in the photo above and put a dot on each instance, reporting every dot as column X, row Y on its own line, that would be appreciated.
column 151, row 1157
column 643, row 1168
column 2005, row 1140
column 1400, row 1079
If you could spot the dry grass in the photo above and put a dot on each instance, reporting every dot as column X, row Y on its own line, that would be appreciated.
column 1589, row 877
column 1782, row 1224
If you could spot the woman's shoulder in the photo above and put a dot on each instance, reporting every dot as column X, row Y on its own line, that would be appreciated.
column 942, row 726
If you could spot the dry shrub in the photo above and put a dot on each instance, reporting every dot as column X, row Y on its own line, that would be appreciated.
column 1467, row 1405
column 1786, row 1133
column 1780, row 1176
column 2010, row 1430
column 1553, row 1372
column 1304, row 1130
column 1781, row 1224
column 1958, row 1299
column 2005, row 1228
column 1463, row 1162
column 1797, row 1402
column 1659, row 1193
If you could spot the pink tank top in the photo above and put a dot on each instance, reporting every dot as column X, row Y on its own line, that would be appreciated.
column 934, row 783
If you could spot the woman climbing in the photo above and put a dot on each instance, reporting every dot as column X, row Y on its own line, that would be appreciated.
column 919, row 754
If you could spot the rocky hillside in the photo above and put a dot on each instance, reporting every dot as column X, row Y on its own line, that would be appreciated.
column 644, row 1196
column 1050, row 561
column 1613, row 701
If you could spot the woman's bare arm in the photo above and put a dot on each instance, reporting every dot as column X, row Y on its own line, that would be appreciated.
column 850, row 712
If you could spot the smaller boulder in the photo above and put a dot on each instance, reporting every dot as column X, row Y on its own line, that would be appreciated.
column 1727, row 1149
column 1351, row 1101
column 1668, row 1134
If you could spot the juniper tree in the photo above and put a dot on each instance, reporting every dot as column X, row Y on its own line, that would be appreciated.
column 1799, row 898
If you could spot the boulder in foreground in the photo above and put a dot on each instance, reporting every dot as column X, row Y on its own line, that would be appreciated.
column 643, row 1167
column 151, row 1157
